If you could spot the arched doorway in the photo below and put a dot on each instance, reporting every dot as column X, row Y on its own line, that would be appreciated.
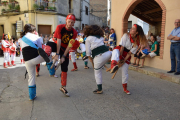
column 151, row 11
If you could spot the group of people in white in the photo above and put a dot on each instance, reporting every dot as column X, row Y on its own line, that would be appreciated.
column 9, row 51
column 66, row 40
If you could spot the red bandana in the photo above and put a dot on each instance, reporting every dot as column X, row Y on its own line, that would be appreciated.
column 71, row 17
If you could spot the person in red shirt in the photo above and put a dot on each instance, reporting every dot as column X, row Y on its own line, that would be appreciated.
column 64, row 33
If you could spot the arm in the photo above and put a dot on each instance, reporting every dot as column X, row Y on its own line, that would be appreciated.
column 170, row 37
column 121, row 50
column 175, row 38
column 155, row 48
column 58, row 45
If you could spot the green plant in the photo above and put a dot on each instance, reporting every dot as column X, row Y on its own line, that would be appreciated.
column 35, row 6
column 10, row 6
column 54, row 1
column 17, row 8
column 4, row 2
column 3, row 10
column 54, row 8
column 41, row 7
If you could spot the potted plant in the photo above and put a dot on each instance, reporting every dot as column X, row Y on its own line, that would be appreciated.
column 3, row 10
column 10, row 6
column 41, row 7
column 4, row 3
column 17, row 8
column 54, row 8
column 46, row 8
column 35, row 6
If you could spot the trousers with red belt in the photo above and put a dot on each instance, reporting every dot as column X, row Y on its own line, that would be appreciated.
column 116, row 57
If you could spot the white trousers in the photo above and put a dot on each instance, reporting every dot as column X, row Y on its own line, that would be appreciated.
column 6, row 57
column 21, row 56
column 30, row 67
column 73, row 57
column 13, row 57
column 115, row 56
column 52, row 54
column 83, row 47
column 99, row 62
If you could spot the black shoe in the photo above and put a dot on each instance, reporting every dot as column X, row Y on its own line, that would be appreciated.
column 177, row 73
column 64, row 91
column 85, row 57
column 97, row 91
column 170, row 71
column 43, row 54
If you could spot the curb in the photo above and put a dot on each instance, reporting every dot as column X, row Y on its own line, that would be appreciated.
column 156, row 74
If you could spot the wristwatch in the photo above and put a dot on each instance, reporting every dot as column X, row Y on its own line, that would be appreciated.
column 63, row 56
column 57, row 54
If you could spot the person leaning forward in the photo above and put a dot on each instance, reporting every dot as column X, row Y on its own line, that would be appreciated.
column 174, row 37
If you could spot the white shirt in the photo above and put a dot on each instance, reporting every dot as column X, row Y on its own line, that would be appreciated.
column 34, row 38
column 93, row 42
column 126, row 42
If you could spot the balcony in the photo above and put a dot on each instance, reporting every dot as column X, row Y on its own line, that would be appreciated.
column 45, row 6
column 10, row 8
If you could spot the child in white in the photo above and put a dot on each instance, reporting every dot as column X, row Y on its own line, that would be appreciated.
column 100, row 53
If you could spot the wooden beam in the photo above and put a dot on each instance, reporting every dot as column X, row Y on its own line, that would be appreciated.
column 157, row 19
column 152, row 11
column 143, row 18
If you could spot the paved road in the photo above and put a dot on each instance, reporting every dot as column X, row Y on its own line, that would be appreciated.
column 151, row 99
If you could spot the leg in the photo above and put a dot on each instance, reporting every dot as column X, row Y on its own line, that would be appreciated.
column 114, row 60
column 37, row 69
column 173, row 60
column 138, row 60
column 64, row 69
column 177, row 53
column 30, row 67
column 99, row 62
column 13, row 56
column 125, row 77
column 5, row 59
column 142, row 65
column 9, row 59
column 72, row 54
column 134, row 60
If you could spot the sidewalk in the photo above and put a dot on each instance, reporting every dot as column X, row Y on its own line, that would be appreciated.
column 162, row 74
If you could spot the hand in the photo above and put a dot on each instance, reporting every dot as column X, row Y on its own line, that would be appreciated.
column 120, row 63
column 137, row 54
column 56, row 57
column 91, row 60
column 62, row 60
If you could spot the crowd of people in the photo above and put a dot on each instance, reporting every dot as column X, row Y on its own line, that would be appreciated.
column 95, row 44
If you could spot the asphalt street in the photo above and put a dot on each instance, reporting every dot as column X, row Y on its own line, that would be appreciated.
column 151, row 98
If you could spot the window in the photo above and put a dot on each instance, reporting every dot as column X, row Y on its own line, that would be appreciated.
column 82, row 26
column 86, row 10
column 129, row 25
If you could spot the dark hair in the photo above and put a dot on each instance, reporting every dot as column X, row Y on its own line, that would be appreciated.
column 28, row 28
column 93, row 30
column 155, row 39
column 112, row 29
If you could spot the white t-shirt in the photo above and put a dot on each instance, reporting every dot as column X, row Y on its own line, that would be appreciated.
column 34, row 38
column 126, row 42
column 93, row 42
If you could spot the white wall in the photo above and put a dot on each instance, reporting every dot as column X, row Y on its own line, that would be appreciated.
column 84, row 17
column 109, row 12
column 138, row 21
